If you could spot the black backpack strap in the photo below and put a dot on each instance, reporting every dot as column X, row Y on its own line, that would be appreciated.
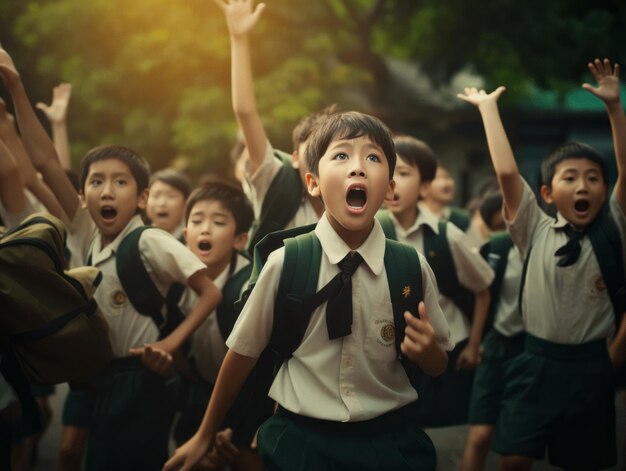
column 386, row 223
column 298, row 283
column 281, row 201
column 607, row 247
column 520, row 297
column 496, row 252
column 460, row 218
column 439, row 257
column 225, row 312
column 139, row 287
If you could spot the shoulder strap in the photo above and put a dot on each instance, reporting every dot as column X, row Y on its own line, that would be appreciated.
column 140, row 289
column 439, row 257
column 460, row 218
column 496, row 253
column 387, row 224
column 225, row 312
column 298, row 282
column 607, row 247
column 281, row 201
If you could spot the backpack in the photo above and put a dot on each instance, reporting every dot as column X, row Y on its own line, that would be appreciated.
column 50, row 322
column 225, row 312
column 439, row 257
column 496, row 252
column 281, row 201
column 460, row 218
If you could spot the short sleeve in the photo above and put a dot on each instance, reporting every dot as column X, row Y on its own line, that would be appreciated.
column 473, row 271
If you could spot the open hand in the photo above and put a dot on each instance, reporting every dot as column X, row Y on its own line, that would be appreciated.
column 8, row 71
column 57, row 110
column 480, row 97
column 607, row 79
column 240, row 17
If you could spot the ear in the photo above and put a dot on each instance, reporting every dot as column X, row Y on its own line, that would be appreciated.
column 295, row 159
column 312, row 185
column 240, row 241
column 390, row 190
column 546, row 194
column 424, row 187
column 81, row 197
column 185, row 234
column 142, row 199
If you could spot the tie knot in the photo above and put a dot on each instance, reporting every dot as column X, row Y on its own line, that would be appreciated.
column 350, row 263
column 572, row 234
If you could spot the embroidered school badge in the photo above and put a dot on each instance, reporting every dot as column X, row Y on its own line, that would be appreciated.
column 406, row 292
column 387, row 332
column 119, row 298
column 600, row 286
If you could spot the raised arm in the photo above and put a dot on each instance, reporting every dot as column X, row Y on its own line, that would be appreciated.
column 56, row 113
column 500, row 150
column 241, row 19
column 607, row 90
column 36, row 140
column 11, row 186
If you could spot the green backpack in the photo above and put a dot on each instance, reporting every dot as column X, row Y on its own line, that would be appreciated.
column 281, row 201
column 460, row 218
column 439, row 257
column 50, row 321
column 496, row 252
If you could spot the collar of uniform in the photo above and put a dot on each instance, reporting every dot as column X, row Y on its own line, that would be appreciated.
column 445, row 214
column 424, row 218
column 98, row 254
column 560, row 222
column 372, row 250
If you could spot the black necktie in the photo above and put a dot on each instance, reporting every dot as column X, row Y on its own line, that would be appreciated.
column 338, row 292
column 570, row 252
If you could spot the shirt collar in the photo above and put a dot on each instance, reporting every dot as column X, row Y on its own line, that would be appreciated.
column 560, row 222
column 99, row 254
column 372, row 250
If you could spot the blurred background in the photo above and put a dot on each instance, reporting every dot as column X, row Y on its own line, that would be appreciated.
column 155, row 74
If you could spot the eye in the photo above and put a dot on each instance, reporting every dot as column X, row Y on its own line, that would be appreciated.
column 220, row 223
column 372, row 158
column 120, row 182
column 195, row 222
column 341, row 156
column 403, row 173
column 95, row 182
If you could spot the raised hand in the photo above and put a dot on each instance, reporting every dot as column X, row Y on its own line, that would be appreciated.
column 607, row 79
column 57, row 110
column 478, row 97
column 240, row 17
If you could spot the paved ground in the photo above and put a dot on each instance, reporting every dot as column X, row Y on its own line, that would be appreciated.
column 449, row 442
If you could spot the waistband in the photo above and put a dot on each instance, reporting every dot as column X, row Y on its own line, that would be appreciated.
column 589, row 350
column 377, row 424
column 127, row 363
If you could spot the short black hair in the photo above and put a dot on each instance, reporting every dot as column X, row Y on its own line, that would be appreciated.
column 491, row 204
column 570, row 150
column 349, row 125
column 174, row 178
column 305, row 127
column 139, row 167
column 418, row 154
column 231, row 197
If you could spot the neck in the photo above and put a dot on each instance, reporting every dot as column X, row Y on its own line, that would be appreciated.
column 317, row 204
column 436, row 207
column 354, row 239
column 215, row 269
column 407, row 218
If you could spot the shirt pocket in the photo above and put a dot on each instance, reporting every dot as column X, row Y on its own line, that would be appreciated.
column 380, row 334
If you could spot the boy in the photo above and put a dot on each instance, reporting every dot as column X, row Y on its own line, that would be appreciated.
column 560, row 394
column 344, row 403
column 131, row 410
column 503, row 342
column 438, row 199
column 217, row 219
column 169, row 190
column 265, row 169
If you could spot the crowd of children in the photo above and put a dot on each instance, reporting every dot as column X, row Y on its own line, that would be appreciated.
column 374, row 310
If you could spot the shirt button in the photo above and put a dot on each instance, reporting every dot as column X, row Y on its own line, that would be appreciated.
column 349, row 363
column 347, row 392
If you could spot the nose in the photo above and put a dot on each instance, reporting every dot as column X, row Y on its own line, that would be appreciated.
column 582, row 185
column 107, row 190
column 357, row 169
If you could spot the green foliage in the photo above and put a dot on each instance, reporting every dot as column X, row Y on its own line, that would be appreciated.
column 155, row 74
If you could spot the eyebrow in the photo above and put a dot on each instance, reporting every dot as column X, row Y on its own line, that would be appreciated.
column 200, row 212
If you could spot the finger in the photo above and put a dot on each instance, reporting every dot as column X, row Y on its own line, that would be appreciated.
column 594, row 71
column 590, row 89
column 499, row 91
column 136, row 351
column 42, row 106
column 258, row 11
column 173, row 463
column 607, row 67
column 616, row 70
column 423, row 314
column 221, row 4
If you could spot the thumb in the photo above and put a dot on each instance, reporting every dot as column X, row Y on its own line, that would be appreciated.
column 258, row 10
column 42, row 106
column 136, row 351
column 421, row 309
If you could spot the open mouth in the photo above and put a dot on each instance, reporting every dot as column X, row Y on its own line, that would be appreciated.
column 356, row 197
column 108, row 213
column 205, row 246
column 162, row 215
column 581, row 206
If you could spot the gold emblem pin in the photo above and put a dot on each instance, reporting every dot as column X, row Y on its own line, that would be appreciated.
column 388, row 332
column 119, row 298
column 600, row 286
column 406, row 291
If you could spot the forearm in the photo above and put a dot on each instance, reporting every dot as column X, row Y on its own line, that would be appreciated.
column 43, row 193
column 502, row 157
column 24, row 164
column 233, row 373
column 615, row 110
column 481, row 308
column 58, row 182
column 61, row 144
column 244, row 101
column 11, row 186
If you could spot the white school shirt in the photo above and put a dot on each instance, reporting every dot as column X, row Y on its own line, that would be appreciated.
column 166, row 260
column 33, row 205
column 208, row 347
column 473, row 271
column 508, row 319
column 259, row 184
column 354, row 378
column 569, row 305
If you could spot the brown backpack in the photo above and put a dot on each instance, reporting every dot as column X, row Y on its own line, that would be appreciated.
column 48, row 317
